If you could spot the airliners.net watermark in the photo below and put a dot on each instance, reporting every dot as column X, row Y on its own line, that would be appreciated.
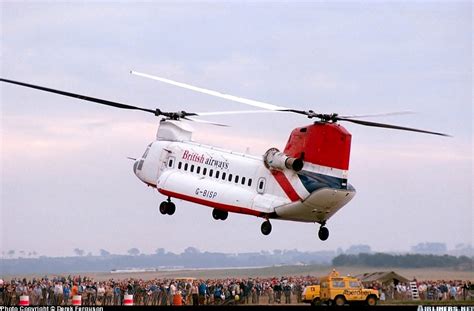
column 445, row 308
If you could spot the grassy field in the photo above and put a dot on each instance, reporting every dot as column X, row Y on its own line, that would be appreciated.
column 313, row 270
column 420, row 274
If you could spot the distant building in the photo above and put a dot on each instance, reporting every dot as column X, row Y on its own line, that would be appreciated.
column 358, row 249
column 434, row 248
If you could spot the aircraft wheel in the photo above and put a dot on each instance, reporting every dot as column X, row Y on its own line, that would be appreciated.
column 323, row 233
column 216, row 214
column 266, row 227
column 170, row 208
column 163, row 207
column 224, row 215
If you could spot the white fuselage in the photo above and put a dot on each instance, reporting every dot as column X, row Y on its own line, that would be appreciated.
column 237, row 182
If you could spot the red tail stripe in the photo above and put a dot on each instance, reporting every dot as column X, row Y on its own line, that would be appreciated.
column 286, row 185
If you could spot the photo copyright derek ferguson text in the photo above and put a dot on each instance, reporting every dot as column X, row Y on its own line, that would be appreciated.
column 51, row 308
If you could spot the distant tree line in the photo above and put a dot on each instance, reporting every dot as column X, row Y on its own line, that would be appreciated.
column 404, row 261
column 191, row 258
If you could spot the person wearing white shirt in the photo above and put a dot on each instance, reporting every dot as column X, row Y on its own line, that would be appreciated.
column 58, row 293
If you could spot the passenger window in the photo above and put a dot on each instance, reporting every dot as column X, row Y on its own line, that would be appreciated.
column 211, row 171
column 204, row 171
column 171, row 162
column 185, row 166
column 223, row 175
column 261, row 185
column 179, row 165
column 249, row 182
column 217, row 174
column 243, row 181
column 198, row 170
column 230, row 177
column 192, row 168
column 236, row 179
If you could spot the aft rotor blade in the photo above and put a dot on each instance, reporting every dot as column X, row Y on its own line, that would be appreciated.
column 212, row 93
column 204, row 121
column 390, row 126
column 383, row 114
column 79, row 96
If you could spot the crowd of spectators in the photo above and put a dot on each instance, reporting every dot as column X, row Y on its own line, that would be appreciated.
column 427, row 290
column 59, row 290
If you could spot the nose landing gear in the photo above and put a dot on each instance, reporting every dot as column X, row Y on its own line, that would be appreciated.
column 218, row 214
column 167, row 207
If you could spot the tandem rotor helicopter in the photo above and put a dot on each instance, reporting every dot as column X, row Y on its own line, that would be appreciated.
column 306, row 182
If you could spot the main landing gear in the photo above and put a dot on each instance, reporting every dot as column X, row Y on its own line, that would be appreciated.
column 218, row 214
column 323, row 233
column 167, row 207
column 266, row 227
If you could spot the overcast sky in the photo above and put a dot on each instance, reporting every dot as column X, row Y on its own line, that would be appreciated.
column 65, row 179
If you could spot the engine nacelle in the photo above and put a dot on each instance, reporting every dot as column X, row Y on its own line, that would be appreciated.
column 274, row 159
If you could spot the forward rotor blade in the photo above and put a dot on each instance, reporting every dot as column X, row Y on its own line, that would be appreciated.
column 79, row 96
column 210, row 92
column 221, row 113
column 390, row 126
column 204, row 121
column 383, row 114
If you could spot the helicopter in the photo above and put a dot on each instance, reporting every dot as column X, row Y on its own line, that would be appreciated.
column 305, row 182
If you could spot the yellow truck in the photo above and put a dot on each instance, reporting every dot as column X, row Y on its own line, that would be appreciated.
column 311, row 294
column 340, row 290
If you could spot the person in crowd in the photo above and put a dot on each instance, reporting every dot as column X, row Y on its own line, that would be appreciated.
column 195, row 293
column 270, row 294
column 203, row 292
column 66, row 294
column 287, row 292
column 277, row 288
column 117, row 295
column 58, row 293
column 298, row 291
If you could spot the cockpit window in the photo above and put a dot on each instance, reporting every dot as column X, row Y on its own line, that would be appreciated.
column 140, row 165
column 146, row 153
column 171, row 162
